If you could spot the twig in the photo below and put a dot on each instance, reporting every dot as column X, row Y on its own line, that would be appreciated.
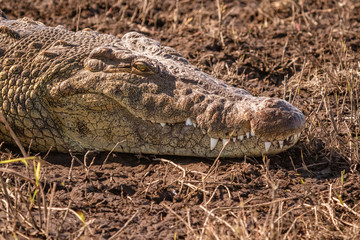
column 63, row 220
column 212, row 195
column 82, row 229
column 71, row 168
column 299, row 81
column 178, row 216
column 346, row 206
column 285, row 85
column 49, row 208
column 293, row 223
column 172, row 163
column 12, row 134
column 210, row 213
column 78, row 19
column 216, row 162
column 64, row 209
column 125, row 225
column 195, row 187
column 7, row 170
column 112, row 150
column 181, row 168
column 220, row 22
column 258, row 204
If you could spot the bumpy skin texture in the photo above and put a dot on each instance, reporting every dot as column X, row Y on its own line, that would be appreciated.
column 84, row 90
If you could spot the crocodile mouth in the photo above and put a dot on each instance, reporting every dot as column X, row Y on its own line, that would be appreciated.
column 268, row 146
column 257, row 144
column 110, row 114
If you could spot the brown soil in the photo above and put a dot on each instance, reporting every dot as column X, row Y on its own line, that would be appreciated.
column 306, row 51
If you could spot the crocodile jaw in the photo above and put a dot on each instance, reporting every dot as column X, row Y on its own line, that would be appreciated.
column 135, row 135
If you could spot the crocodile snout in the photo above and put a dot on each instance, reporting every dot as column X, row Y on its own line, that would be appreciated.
column 255, row 125
column 276, row 119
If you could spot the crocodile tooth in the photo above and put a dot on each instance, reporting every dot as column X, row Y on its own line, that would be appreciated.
column 234, row 139
column 225, row 141
column 281, row 144
column 252, row 133
column 247, row 134
column 267, row 146
column 241, row 137
column 163, row 124
column 188, row 122
column 213, row 142
column 296, row 136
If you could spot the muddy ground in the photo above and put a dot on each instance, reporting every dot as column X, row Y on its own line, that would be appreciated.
column 304, row 51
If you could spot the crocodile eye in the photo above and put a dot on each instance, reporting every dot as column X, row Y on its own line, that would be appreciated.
column 143, row 67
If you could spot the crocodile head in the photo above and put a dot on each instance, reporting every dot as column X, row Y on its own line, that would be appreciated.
column 134, row 95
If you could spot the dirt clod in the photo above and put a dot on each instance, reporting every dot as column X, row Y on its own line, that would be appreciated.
column 304, row 51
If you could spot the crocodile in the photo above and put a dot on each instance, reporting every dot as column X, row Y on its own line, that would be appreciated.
column 80, row 91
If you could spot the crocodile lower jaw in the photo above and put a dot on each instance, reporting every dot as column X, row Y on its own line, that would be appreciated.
column 270, row 147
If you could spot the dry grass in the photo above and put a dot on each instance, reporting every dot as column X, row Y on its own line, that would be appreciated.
column 26, row 208
column 314, row 196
